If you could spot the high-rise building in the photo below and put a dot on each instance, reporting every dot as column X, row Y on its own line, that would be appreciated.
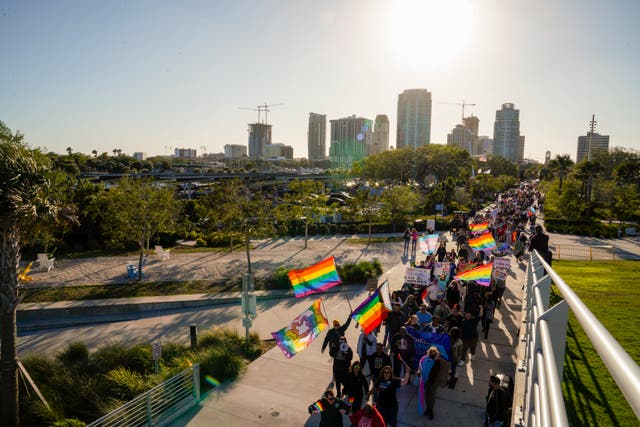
column 380, row 135
column 185, row 153
column 317, row 137
column 472, row 123
column 462, row 137
column 547, row 157
column 259, row 136
column 139, row 156
column 414, row 118
column 599, row 144
column 483, row 145
column 349, row 138
column 235, row 151
column 277, row 151
column 520, row 148
column 506, row 132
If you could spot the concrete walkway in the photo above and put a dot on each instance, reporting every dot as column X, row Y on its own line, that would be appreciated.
column 276, row 391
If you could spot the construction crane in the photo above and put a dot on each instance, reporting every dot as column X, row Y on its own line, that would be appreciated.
column 462, row 104
column 262, row 108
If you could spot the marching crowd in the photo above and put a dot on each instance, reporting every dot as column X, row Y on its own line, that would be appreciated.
column 366, row 382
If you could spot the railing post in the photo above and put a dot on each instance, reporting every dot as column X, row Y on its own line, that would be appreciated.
column 196, row 381
column 149, row 417
column 590, row 253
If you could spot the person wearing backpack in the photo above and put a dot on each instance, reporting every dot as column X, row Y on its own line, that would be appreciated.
column 496, row 404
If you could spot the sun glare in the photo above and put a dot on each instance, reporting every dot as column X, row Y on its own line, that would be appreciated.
column 428, row 32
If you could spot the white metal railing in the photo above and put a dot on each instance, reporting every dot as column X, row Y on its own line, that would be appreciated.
column 541, row 403
column 160, row 405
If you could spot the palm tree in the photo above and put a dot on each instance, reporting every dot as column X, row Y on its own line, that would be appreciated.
column 561, row 165
column 24, row 199
column 95, row 153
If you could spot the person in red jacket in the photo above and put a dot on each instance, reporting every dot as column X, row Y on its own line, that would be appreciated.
column 367, row 416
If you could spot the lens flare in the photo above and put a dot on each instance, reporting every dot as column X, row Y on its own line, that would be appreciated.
column 212, row 381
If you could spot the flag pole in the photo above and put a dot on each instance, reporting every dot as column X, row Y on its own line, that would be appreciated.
column 344, row 288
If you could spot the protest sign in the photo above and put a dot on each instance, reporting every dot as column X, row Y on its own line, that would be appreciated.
column 502, row 262
column 417, row 276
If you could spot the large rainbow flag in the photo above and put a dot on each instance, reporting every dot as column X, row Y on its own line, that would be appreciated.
column 317, row 278
column 484, row 242
column 429, row 243
column 481, row 275
column 298, row 335
column 479, row 228
column 374, row 309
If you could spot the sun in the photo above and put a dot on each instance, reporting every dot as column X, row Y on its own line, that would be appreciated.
column 428, row 32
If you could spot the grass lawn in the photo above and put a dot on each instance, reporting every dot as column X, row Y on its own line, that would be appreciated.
column 125, row 290
column 610, row 289
column 365, row 240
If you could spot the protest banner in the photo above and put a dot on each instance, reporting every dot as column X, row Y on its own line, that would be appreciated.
column 502, row 262
column 417, row 276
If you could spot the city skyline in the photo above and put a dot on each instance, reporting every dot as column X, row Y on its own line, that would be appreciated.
column 145, row 76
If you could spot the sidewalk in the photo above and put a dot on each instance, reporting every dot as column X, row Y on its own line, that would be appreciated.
column 276, row 391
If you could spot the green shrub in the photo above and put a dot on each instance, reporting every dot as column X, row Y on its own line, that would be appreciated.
column 172, row 351
column 584, row 227
column 221, row 363
column 210, row 339
column 279, row 279
column 126, row 385
column 200, row 242
column 137, row 359
column 68, row 422
column 75, row 356
column 349, row 273
column 360, row 272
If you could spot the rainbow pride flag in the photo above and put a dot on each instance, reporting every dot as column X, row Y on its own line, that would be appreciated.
column 374, row 309
column 429, row 243
column 479, row 228
column 481, row 275
column 484, row 242
column 317, row 407
column 305, row 328
column 317, row 278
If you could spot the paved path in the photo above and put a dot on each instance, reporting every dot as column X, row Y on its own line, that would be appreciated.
column 266, row 257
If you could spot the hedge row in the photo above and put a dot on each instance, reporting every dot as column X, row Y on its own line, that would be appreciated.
column 349, row 273
column 593, row 228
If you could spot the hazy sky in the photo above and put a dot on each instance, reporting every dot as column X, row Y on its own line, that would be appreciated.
column 149, row 75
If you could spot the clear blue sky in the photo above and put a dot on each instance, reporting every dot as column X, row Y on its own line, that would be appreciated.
column 147, row 75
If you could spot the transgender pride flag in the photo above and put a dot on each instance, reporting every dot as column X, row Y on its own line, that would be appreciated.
column 429, row 243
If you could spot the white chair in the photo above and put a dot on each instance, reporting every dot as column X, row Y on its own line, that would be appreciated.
column 162, row 253
column 45, row 262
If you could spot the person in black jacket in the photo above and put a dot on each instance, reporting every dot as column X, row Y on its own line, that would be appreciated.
column 385, row 388
column 495, row 409
column 377, row 361
column 539, row 242
column 356, row 386
column 333, row 337
column 330, row 409
column 341, row 364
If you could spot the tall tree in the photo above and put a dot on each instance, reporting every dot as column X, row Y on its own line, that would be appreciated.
column 398, row 202
column 306, row 201
column 561, row 166
column 24, row 200
column 135, row 211
column 365, row 205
